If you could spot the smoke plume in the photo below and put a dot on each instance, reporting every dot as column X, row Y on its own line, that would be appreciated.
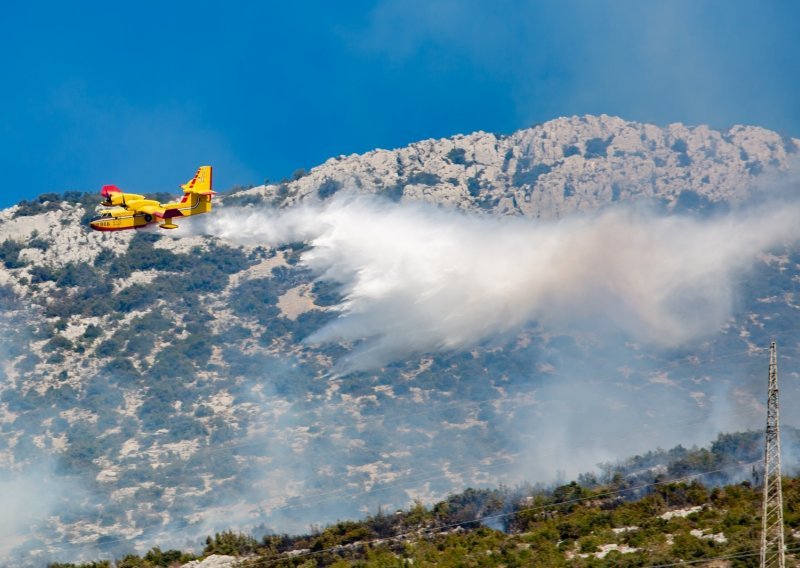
column 416, row 278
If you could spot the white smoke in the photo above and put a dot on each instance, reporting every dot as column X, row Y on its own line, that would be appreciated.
column 417, row 278
column 33, row 498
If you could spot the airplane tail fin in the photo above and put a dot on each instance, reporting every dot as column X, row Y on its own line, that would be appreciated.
column 201, row 182
column 197, row 192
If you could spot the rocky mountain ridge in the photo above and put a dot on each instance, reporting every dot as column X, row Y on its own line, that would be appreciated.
column 564, row 165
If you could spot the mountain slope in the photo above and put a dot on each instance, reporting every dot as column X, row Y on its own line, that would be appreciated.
column 155, row 388
column 623, row 519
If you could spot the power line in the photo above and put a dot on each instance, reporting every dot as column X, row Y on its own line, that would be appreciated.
column 184, row 523
column 326, row 496
column 734, row 556
column 439, row 530
column 415, row 477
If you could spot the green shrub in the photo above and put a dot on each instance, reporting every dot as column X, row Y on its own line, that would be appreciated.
column 597, row 147
column 7, row 295
column 530, row 176
column 243, row 200
column 166, row 558
column 57, row 343
column 92, row 332
column 423, row 178
column 327, row 188
column 473, row 187
column 42, row 204
column 9, row 253
column 77, row 274
column 326, row 293
column 457, row 156
column 230, row 543
column 40, row 273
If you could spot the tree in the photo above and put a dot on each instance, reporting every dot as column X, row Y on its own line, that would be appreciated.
column 231, row 544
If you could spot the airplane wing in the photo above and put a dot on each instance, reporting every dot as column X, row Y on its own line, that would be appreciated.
column 142, row 205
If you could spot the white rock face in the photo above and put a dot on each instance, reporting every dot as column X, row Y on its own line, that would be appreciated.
column 716, row 537
column 568, row 164
column 680, row 513
column 68, row 239
column 213, row 561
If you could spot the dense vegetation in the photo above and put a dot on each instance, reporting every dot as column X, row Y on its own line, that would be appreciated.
column 570, row 525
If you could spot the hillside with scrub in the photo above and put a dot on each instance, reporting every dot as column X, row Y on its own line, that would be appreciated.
column 157, row 387
column 661, row 515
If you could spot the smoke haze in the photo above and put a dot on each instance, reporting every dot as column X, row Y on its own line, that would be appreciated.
column 605, row 301
column 421, row 279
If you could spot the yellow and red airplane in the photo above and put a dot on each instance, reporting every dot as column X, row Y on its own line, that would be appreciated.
column 132, row 211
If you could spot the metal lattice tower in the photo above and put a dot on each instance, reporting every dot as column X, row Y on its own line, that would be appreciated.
column 772, row 549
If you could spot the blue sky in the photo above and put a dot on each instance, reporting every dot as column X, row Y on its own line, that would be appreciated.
column 140, row 94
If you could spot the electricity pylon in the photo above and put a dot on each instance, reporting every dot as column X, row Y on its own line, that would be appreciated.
column 772, row 551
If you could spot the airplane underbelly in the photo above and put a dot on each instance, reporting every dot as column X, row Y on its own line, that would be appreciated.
column 119, row 223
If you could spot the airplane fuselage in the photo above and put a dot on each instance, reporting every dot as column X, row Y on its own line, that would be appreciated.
column 123, row 219
column 122, row 222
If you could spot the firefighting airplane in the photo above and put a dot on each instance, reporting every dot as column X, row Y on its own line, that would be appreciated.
column 131, row 211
